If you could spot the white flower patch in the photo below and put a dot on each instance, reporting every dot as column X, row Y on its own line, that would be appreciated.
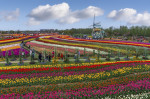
column 70, row 40
column 42, row 37
column 131, row 96
column 70, row 47
column 6, row 46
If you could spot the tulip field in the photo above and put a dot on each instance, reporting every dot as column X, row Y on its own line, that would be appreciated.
column 98, row 78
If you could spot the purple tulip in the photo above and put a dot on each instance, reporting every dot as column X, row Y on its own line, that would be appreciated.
column 16, row 52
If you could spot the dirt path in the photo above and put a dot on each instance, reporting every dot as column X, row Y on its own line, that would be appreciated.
column 27, row 61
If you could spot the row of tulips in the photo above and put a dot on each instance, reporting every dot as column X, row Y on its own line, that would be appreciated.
column 10, row 48
column 7, row 46
column 104, row 47
column 53, row 48
column 16, row 42
column 101, row 48
column 71, row 52
column 142, row 44
column 82, row 45
column 74, row 41
column 8, row 40
column 64, row 66
column 73, row 78
column 112, row 90
column 75, row 86
column 69, row 47
column 65, row 73
column 25, row 39
column 82, row 65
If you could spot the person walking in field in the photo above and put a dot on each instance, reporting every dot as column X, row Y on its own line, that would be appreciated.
column 79, row 54
column 53, row 54
column 49, row 57
column 75, row 55
column 40, row 57
column 61, row 56
column 30, row 51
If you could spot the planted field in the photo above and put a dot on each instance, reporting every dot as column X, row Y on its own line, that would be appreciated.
column 109, row 79
column 96, row 69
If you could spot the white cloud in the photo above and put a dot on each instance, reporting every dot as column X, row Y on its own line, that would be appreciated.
column 112, row 14
column 46, row 12
column 142, row 19
column 61, row 13
column 130, row 16
column 32, row 21
column 76, row 16
column 12, row 15
column 68, row 20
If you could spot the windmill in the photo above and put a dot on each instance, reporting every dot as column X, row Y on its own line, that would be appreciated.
column 97, row 32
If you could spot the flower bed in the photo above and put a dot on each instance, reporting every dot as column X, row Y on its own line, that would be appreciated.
column 16, row 52
column 81, row 45
column 87, row 80
column 25, row 39
column 74, row 81
column 117, row 89
column 142, row 44
column 52, row 48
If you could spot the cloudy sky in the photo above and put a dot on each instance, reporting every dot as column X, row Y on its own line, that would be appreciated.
column 66, row 14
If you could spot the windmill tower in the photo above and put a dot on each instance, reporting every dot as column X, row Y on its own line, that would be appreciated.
column 97, row 32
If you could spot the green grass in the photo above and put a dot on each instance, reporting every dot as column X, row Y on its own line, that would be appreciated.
column 70, row 62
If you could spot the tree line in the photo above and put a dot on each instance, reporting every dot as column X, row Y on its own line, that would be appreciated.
column 111, row 31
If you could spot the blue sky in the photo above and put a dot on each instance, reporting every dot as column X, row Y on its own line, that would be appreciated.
column 66, row 14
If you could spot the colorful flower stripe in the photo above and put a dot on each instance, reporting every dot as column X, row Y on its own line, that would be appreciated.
column 107, row 82
column 15, row 38
column 82, row 45
column 19, row 40
column 72, row 78
column 12, row 76
column 9, row 40
column 52, row 48
column 59, row 50
column 68, row 47
column 75, row 86
column 112, row 42
column 139, row 86
column 73, row 41
column 69, row 66
column 10, row 48
column 76, row 42
column 69, row 44
column 6, row 46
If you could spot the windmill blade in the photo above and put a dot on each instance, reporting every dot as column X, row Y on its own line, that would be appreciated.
column 91, row 26
column 98, row 23
column 94, row 20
